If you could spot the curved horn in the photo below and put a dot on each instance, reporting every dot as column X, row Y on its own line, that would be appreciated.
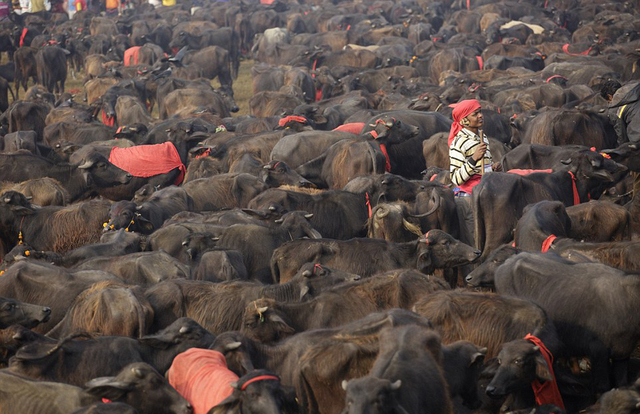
column 437, row 200
column 382, row 212
column 262, row 310
column 85, row 165
column 232, row 346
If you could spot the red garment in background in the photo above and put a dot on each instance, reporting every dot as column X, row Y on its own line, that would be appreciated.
column 148, row 160
column 201, row 376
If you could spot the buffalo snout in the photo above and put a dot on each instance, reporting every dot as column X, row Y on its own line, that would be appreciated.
column 491, row 392
column 126, row 178
column 46, row 312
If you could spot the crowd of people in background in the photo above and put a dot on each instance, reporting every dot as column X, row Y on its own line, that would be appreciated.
column 110, row 7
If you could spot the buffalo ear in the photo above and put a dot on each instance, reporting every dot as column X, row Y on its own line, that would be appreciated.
column 542, row 369
column 108, row 387
column 144, row 224
column 478, row 357
column 230, row 405
column 87, row 179
column 425, row 263
column 282, row 325
column 304, row 290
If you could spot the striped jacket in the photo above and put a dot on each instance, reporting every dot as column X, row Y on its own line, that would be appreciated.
column 461, row 164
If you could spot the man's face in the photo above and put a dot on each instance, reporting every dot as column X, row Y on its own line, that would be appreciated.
column 475, row 119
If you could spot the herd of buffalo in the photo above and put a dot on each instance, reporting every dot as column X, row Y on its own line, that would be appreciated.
column 161, row 256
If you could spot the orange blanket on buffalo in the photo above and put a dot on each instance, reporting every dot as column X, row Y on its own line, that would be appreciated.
column 131, row 56
column 354, row 127
column 201, row 376
column 148, row 160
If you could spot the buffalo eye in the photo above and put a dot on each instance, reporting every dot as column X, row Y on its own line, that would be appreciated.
column 9, row 307
column 102, row 165
column 518, row 361
column 445, row 243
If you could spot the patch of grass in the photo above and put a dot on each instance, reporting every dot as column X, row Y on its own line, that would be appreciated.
column 242, row 87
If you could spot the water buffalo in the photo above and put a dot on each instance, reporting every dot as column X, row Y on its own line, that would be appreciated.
column 437, row 250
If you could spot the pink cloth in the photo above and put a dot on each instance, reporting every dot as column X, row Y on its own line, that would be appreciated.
column 148, row 160
column 131, row 56
column 201, row 376
column 527, row 172
column 461, row 111
column 468, row 185
column 354, row 127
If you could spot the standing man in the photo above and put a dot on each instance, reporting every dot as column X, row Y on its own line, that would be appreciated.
column 624, row 114
column 469, row 157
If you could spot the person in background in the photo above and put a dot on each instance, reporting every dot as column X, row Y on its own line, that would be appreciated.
column 112, row 7
column 37, row 6
column 624, row 114
column 469, row 157
column 5, row 9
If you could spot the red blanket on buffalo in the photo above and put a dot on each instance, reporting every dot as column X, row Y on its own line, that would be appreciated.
column 354, row 127
column 148, row 160
column 201, row 376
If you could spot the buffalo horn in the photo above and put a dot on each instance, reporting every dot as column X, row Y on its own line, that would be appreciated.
column 344, row 385
column 536, row 348
column 232, row 346
column 308, row 216
column 137, row 372
column 184, row 329
column 85, row 165
column 436, row 198
column 396, row 385
column 278, row 220
column 263, row 310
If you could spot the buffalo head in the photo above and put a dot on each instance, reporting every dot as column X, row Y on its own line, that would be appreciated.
column 98, row 172
column 520, row 363
column 372, row 395
column 389, row 130
column 258, row 392
column 483, row 274
column 438, row 250
column 277, row 173
column 25, row 314
column 262, row 322
column 142, row 387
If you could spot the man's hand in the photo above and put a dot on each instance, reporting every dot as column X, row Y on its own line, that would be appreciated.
column 479, row 153
column 496, row 166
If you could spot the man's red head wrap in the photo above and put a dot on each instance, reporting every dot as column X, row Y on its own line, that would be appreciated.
column 461, row 111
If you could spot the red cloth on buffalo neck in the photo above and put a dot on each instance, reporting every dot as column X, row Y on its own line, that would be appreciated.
column 201, row 376
column 148, row 160
column 547, row 392
column 461, row 111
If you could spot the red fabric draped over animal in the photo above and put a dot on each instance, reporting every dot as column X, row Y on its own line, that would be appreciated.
column 547, row 392
column 131, row 56
column 353, row 127
column 201, row 376
column 148, row 160
column 461, row 111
